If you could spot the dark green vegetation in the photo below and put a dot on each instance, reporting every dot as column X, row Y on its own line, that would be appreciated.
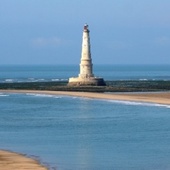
column 111, row 86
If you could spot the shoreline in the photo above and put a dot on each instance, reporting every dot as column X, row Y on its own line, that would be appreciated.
column 15, row 161
column 149, row 97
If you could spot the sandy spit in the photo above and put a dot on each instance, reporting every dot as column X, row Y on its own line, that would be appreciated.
column 152, row 97
column 15, row 161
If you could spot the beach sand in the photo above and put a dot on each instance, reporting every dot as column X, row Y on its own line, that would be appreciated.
column 151, row 97
column 14, row 161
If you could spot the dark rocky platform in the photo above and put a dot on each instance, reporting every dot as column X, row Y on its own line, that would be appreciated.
column 111, row 86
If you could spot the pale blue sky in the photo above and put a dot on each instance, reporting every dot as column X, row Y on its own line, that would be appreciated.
column 50, row 31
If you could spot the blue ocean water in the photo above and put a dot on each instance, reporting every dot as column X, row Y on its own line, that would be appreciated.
column 71, row 133
column 63, row 72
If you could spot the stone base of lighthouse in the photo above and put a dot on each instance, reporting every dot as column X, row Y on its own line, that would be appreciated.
column 90, row 81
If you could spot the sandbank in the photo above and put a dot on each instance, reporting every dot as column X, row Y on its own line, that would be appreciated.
column 15, row 161
column 151, row 97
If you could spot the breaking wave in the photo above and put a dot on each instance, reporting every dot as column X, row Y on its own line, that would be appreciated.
column 138, row 103
column 9, row 80
column 43, row 95
column 3, row 95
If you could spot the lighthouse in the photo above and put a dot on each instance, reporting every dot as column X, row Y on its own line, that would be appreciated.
column 86, row 76
column 86, row 66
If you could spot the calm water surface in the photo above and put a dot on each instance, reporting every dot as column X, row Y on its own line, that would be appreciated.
column 63, row 72
column 72, row 133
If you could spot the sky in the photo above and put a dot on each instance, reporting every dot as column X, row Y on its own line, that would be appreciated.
column 38, row 32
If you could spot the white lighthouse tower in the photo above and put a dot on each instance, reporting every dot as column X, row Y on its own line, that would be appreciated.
column 86, row 76
column 86, row 65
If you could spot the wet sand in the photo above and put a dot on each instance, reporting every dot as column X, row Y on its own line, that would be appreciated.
column 151, row 97
column 15, row 161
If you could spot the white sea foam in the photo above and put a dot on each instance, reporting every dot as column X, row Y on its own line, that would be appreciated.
column 55, row 79
column 138, row 103
column 31, row 80
column 9, row 80
column 42, row 95
column 143, row 79
column 39, row 95
column 123, row 102
column 3, row 95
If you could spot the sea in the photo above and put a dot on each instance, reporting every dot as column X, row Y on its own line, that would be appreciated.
column 76, row 133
